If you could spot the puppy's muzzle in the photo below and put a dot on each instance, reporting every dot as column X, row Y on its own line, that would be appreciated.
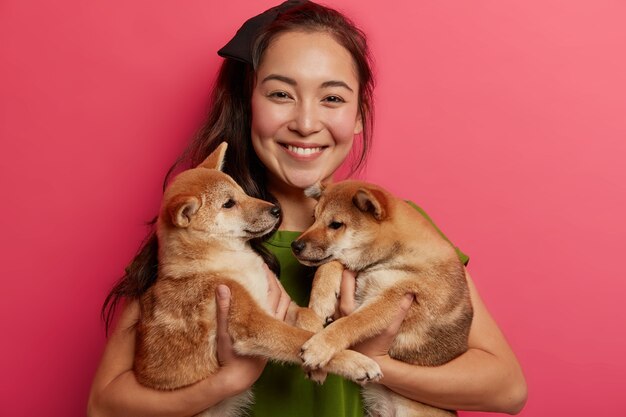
column 275, row 211
column 297, row 246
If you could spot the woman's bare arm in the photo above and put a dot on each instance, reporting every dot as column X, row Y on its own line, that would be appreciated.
column 487, row 377
column 116, row 392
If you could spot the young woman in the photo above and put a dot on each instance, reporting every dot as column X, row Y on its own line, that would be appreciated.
column 292, row 95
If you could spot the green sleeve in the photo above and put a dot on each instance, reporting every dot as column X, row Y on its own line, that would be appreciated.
column 463, row 257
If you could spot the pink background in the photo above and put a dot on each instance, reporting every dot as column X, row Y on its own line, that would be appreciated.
column 505, row 120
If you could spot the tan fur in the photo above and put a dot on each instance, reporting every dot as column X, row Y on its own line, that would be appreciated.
column 395, row 251
column 203, row 243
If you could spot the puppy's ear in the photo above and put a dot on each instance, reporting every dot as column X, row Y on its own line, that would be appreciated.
column 372, row 201
column 314, row 191
column 182, row 209
column 216, row 159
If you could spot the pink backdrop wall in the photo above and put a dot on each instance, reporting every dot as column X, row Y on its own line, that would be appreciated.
column 505, row 120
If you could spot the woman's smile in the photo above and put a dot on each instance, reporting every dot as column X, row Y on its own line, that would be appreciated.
column 303, row 152
column 305, row 110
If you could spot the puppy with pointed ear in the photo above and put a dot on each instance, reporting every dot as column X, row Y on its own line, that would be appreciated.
column 395, row 250
column 372, row 201
column 182, row 208
column 216, row 159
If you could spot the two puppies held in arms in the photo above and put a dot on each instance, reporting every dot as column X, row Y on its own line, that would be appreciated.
column 203, row 229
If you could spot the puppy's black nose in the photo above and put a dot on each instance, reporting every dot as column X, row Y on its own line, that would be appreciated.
column 297, row 246
column 275, row 211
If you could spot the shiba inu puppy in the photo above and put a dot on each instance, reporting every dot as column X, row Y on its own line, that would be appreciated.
column 203, row 229
column 395, row 251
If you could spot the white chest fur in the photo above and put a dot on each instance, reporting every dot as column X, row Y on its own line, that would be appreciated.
column 372, row 283
column 245, row 267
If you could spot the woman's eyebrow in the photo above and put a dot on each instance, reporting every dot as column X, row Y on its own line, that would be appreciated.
column 292, row 82
column 334, row 83
column 282, row 78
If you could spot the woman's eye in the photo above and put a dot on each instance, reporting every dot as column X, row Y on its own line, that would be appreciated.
column 335, row 225
column 281, row 95
column 334, row 99
column 228, row 204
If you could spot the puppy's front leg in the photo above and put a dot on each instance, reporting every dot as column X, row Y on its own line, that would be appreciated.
column 367, row 321
column 323, row 300
column 325, row 290
column 256, row 333
column 305, row 318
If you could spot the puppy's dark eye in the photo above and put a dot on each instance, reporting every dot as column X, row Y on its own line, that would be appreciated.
column 230, row 203
column 335, row 225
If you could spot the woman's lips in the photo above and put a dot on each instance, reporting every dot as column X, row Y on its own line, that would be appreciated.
column 303, row 152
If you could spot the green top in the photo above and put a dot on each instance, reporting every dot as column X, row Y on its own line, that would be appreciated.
column 283, row 390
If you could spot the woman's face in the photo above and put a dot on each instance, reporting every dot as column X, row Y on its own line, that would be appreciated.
column 304, row 108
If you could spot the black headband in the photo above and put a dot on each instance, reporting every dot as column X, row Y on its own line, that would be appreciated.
column 240, row 46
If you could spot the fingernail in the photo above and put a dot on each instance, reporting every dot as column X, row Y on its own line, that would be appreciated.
column 222, row 291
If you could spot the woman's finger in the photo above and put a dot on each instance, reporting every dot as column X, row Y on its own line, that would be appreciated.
column 278, row 298
column 273, row 289
column 283, row 303
column 346, row 292
column 224, row 348
column 379, row 345
column 404, row 306
column 223, row 305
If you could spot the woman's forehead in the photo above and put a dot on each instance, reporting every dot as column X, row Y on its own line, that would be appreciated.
column 303, row 56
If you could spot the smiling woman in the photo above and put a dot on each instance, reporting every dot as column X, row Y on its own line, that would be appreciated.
column 305, row 109
column 292, row 98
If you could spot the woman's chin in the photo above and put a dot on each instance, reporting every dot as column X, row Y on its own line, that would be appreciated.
column 304, row 180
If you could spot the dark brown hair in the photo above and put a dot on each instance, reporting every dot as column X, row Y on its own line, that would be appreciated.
column 229, row 119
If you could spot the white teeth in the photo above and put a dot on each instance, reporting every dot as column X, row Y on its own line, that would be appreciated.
column 303, row 151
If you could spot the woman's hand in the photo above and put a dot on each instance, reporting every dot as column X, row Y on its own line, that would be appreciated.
column 485, row 378
column 116, row 392
column 278, row 298
column 376, row 347
column 243, row 371
column 239, row 372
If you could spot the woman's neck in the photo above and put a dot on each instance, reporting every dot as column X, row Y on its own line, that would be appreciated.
column 297, row 209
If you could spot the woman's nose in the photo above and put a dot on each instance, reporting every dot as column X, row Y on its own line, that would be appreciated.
column 306, row 119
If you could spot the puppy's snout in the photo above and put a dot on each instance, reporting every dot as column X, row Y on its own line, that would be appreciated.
column 275, row 211
column 297, row 246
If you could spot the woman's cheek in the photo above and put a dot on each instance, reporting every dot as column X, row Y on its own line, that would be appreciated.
column 268, row 118
column 343, row 125
column 262, row 119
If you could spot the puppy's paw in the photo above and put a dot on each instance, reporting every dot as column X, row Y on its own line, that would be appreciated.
column 366, row 371
column 316, row 352
column 317, row 375
column 355, row 366
column 324, row 308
